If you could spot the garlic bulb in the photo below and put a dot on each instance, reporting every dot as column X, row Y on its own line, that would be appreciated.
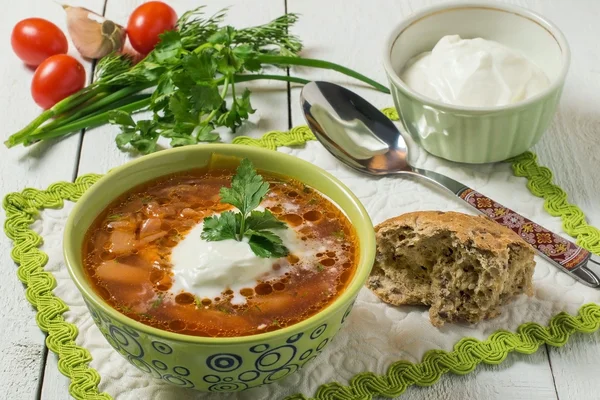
column 93, row 35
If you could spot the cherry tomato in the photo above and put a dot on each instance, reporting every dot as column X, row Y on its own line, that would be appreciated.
column 35, row 39
column 147, row 22
column 56, row 78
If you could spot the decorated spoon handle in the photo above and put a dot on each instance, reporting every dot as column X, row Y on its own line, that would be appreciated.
column 561, row 252
column 553, row 247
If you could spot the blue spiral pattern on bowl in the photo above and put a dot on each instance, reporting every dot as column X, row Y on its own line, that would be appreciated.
column 295, row 338
column 318, row 332
column 162, row 348
column 259, row 348
column 126, row 341
column 276, row 358
column 224, row 362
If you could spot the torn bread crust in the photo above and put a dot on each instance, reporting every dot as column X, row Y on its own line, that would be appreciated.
column 464, row 267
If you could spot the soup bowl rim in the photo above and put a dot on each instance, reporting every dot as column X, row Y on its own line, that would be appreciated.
column 72, row 253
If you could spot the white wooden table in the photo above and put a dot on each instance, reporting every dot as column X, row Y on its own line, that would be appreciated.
column 350, row 33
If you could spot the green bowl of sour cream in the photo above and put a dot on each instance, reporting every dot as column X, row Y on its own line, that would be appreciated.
column 216, row 364
column 475, row 103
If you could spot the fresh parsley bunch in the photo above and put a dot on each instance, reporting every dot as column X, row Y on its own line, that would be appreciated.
column 188, row 82
column 189, row 101
column 248, row 190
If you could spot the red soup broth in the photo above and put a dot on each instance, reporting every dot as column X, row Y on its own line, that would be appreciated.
column 128, row 248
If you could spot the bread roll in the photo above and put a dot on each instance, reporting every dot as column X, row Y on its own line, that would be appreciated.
column 464, row 267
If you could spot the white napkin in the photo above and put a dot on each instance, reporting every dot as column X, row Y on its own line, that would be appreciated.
column 375, row 335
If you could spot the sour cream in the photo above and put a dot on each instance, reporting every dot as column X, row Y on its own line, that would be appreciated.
column 474, row 72
column 206, row 269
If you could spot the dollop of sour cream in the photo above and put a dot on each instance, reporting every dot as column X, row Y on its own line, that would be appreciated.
column 206, row 269
column 474, row 72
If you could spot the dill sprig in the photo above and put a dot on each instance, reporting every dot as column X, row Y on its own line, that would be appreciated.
column 275, row 33
column 112, row 66
column 195, row 29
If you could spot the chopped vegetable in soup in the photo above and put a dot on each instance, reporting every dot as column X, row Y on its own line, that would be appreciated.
column 147, row 257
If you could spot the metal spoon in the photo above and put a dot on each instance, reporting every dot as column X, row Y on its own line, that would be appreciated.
column 363, row 138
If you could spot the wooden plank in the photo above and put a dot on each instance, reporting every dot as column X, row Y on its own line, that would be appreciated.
column 575, row 367
column 326, row 29
column 21, row 341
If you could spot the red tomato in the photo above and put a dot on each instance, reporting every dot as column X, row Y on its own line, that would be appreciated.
column 56, row 78
column 147, row 22
column 35, row 39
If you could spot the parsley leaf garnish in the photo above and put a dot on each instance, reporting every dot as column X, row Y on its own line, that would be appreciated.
column 247, row 191
column 260, row 220
column 266, row 244
column 220, row 227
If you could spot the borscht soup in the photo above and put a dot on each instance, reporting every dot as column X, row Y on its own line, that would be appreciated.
column 221, row 252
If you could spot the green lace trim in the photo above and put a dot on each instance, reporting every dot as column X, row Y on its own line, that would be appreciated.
column 21, row 209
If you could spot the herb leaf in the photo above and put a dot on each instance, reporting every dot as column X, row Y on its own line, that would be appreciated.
column 266, row 244
column 247, row 191
column 220, row 227
column 200, row 67
column 141, row 136
column 263, row 220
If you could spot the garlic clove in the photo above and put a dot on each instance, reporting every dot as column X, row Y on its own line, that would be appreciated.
column 93, row 35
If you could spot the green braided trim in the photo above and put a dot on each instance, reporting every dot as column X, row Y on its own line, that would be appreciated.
column 21, row 208
column 272, row 140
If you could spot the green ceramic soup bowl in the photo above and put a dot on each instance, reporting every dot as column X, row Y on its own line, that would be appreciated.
column 206, row 363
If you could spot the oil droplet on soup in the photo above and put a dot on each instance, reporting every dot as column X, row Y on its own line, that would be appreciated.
column 127, row 256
